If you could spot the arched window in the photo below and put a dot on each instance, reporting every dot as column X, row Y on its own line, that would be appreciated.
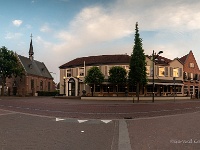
column 41, row 85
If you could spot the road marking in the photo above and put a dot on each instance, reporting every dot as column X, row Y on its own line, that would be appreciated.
column 7, row 114
column 106, row 121
column 59, row 119
column 81, row 121
column 124, row 140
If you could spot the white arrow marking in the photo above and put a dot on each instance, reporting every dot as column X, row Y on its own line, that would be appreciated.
column 81, row 121
column 59, row 119
column 106, row 121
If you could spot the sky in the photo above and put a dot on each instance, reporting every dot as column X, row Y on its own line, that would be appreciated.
column 66, row 29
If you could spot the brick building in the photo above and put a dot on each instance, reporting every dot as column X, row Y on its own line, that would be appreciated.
column 191, row 74
column 72, row 76
column 36, row 77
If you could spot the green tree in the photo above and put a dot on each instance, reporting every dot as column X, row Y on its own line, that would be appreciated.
column 117, row 75
column 9, row 66
column 94, row 76
column 137, row 74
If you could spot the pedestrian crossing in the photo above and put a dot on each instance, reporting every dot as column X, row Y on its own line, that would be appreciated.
column 90, row 121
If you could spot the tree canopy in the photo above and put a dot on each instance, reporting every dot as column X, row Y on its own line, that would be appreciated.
column 137, row 73
column 117, row 75
column 9, row 65
column 94, row 76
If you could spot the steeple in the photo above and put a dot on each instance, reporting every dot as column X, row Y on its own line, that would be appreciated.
column 31, row 53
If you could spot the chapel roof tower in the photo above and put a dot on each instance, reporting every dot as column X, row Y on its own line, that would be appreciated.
column 31, row 53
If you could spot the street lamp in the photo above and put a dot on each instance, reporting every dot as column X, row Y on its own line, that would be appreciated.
column 154, row 56
column 64, row 84
column 78, row 86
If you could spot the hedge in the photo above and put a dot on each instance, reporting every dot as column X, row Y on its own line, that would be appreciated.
column 46, row 93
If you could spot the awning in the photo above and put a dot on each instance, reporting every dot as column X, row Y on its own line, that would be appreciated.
column 166, row 83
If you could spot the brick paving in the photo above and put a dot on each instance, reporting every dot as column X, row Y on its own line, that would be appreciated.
column 159, row 125
column 76, row 108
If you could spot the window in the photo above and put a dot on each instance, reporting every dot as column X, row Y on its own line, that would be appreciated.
column 49, row 86
column 196, row 77
column 110, row 88
column 81, row 71
column 97, row 88
column 178, row 89
column 149, row 88
column 148, row 70
column 121, row 88
column 161, row 71
column 191, row 65
column 32, row 83
column 185, row 89
column 190, row 76
column 132, row 88
column 41, row 85
column 69, row 73
column 191, row 89
column 176, row 72
column 105, row 88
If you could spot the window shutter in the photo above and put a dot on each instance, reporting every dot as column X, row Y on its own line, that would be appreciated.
column 76, row 72
column 157, row 70
column 166, row 71
column 151, row 71
column 171, row 71
column 180, row 72
column 106, row 71
column 72, row 72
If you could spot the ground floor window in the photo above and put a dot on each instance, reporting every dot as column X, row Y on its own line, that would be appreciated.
column 49, row 86
column 121, row 88
column 110, row 88
column 132, row 88
column 186, row 89
column 97, row 88
column 178, row 89
column 191, row 89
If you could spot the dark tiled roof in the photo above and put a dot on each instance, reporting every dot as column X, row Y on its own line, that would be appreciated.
column 97, row 60
column 34, row 67
column 183, row 59
column 161, row 60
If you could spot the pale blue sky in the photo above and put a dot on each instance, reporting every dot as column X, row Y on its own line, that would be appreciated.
column 66, row 29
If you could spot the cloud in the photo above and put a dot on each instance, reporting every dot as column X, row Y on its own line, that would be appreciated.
column 104, row 29
column 17, row 23
column 45, row 28
column 95, row 26
column 10, row 35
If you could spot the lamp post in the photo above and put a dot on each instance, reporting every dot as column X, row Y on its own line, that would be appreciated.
column 78, row 86
column 154, row 56
column 64, row 84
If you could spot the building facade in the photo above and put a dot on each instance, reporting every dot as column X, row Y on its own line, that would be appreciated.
column 191, row 75
column 168, row 76
column 36, row 77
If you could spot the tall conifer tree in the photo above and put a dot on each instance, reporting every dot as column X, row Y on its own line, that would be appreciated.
column 137, row 73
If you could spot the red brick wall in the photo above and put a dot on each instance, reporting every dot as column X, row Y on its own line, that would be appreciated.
column 186, row 68
column 24, row 88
